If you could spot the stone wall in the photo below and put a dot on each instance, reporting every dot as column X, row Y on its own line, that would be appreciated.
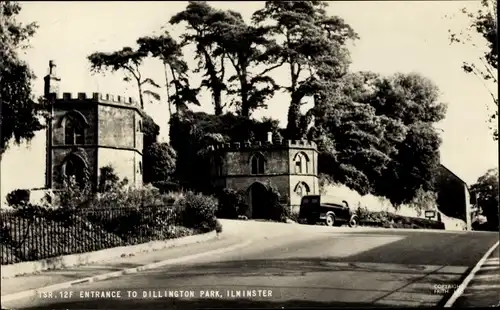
column 280, row 167
column 86, row 111
column 238, row 162
column 125, row 163
column 117, row 127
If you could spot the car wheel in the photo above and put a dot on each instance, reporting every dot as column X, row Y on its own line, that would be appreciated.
column 330, row 220
column 353, row 222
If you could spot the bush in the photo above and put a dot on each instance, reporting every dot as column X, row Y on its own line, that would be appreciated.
column 197, row 211
column 167, row 186
column 294, row 216
column 218, row 227
column 391, row 220
column 74, row 195
column 108, row 179
column 120, row 216
column 362, row 213
column 278, row 206
column 18, row 197
column 232, row 204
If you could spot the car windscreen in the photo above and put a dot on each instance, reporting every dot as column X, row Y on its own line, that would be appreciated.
column 310, row 200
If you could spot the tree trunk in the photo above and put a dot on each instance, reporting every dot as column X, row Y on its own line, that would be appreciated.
column 177, row 103
column 215, row 82
column 168, row 90
column 141, row 99
column 217, row 102
column 245, row 108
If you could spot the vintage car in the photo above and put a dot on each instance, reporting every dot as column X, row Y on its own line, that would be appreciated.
column 331, row 210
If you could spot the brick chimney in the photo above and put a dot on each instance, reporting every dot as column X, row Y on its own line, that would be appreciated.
column 51, row 80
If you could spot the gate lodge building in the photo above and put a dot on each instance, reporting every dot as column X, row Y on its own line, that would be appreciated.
column 90, row 131
column 291, row 166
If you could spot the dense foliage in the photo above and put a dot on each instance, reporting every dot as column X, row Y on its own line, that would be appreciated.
column 310, row 43
column 232, row 204
column 161, row 159
column 486, row 191
column 390, row 220
column 78, row 221
column 19, row 112
column 192, row 134
column 375, row 133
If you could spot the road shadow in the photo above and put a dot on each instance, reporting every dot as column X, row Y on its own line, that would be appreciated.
column 419, row 248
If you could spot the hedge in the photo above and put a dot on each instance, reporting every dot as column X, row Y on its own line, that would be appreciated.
column 115, row 218
column 390, row 220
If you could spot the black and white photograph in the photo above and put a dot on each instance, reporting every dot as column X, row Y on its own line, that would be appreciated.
column 249, row 154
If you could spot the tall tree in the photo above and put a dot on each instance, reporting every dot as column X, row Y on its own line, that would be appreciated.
column 151, row 131
column 351, row 143
column 311, row 44
column 244, row 45
column 161, row 159
column 19, row 113
column 483, row 22
column 413, row 101
column 375, row 133
column 128, row 60
column 486, row 190
column 200, row 19
column 413, row 166
column 165, row 48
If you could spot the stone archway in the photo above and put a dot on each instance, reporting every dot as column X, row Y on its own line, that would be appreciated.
column 257, row 200
column 75, row 166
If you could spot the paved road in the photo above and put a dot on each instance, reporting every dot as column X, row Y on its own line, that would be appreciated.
column 305, row 268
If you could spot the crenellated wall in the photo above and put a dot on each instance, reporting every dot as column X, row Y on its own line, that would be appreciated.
column 259, row 145
column 113, row 134
column 280, row 159
column 97, row 97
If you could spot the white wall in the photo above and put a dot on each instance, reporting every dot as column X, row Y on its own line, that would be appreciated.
column 23, row 166
column 372, row 203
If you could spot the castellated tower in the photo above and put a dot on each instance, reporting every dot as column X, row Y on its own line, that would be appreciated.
column 90, row 131
column 291, row 166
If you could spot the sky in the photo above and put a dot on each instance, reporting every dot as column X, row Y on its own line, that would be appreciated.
column 395, row 36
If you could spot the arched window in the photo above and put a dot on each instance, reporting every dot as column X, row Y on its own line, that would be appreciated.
column 258, row 163
column 75, row 167
column 140, row 168
column 302, row 189
column 139, row 127
column 219, row 166
column 301, row 162
column 74, row 131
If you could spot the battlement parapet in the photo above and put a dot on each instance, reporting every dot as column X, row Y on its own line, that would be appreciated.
column 283, row 144
column 96, row 97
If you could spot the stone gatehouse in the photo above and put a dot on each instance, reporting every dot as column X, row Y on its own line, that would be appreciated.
column 291, row 166
column 90, row 131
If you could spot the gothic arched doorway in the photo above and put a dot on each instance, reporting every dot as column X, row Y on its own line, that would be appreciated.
column 75, row 166
column 257, row 200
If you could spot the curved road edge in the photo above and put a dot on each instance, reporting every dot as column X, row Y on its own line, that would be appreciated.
column 461, row 288
column 115, row 274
